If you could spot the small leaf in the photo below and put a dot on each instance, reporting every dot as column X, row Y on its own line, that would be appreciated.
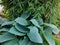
column 34, row 36
column 11, row 42
column 25, row 15
column 21, row 21
column 35, row 23
column 21, row 28
column 7, row 23
column 55, row 30
column 49, row 38
column 14, row 31
column 6, row 37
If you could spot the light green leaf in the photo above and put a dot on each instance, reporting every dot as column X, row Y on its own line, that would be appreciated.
column 21, row 28
column 14, row 31
column 11, row 42
column 7, row 23
column 25, row 15
column 34, row 36
column 6, row 37
column 21, row 21
column 49, row 38
column 55, row 30
column 34, row 21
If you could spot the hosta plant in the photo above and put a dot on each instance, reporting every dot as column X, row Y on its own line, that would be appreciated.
column 26, row 30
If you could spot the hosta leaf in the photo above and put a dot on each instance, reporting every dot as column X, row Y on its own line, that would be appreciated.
column 6, row 37
column 49, row 38
column 34, row 21
column 25, row 15
column 21, row 21
column 54, row 28
column 7, row 23
column 4, row 30
column 11, row 42
column 34, row 36
column 14, row 31
column 21, row 28
column 24, row 41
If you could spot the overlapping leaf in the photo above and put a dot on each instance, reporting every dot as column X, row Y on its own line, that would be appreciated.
column 54, row 28
column 14, row 31
column 34, row 36
column 21, row 21
column 21, row 28
column 6, row 37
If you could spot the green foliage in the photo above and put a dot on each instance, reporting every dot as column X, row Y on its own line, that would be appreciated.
column 28, row 32
column 31, row 22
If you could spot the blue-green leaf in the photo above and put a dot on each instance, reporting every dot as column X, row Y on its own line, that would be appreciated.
column 14, row 31
column 6, row 37
column 55, row 30
column 21, row 28
column 21, row 21
column 11, row 42
column 7, row 23
column 34, row 21
column 49, row 38
column 4, row 30
column 24, row 41
column 34, row 36
column 25, row 15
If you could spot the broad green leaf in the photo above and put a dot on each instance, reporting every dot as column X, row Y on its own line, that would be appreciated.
column 54, row 28
column 11, row 42
column 6, row 37
column 7, row 23
column 14, row 31
column 21, row 28
column 4, row 30
column 25, row 15
column 34, row 35
column 34, row 21
column 21, row 21
column 49, row 38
